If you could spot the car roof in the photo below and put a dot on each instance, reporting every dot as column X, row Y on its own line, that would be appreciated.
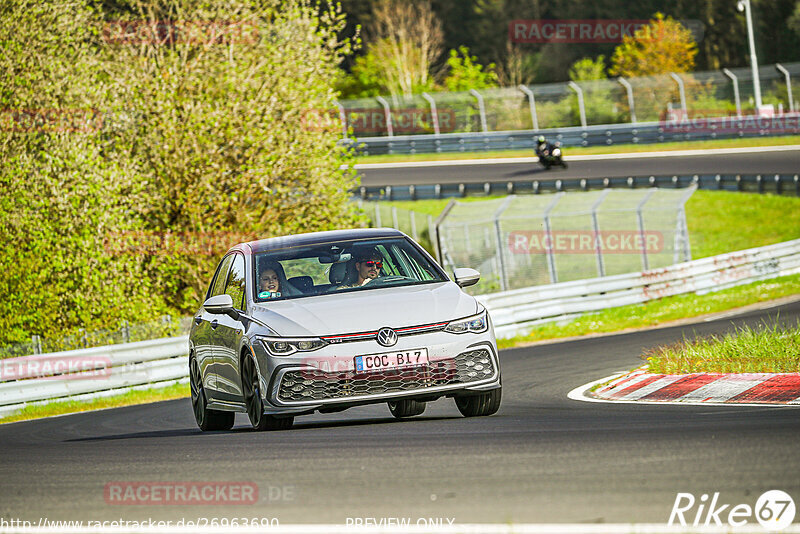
column 315, row 238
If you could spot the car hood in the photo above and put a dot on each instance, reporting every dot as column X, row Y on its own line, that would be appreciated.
column 368, row 310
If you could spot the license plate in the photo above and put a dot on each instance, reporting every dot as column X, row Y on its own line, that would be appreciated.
column 392, row 360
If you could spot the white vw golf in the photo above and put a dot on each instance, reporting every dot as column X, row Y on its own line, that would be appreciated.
column 329, row 320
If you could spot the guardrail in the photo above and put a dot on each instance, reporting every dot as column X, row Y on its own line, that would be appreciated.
column 756, row 183
column 93, row 372
column 605, row 135
column 102, row 371
column 516, row 312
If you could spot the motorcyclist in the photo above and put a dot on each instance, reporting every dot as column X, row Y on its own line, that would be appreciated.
column 543, row 148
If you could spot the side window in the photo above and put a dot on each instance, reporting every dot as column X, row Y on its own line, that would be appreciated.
column 218, row 285
column 235, row 285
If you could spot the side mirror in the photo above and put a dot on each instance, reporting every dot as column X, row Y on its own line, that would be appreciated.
column 464, row 276
column 219, row 304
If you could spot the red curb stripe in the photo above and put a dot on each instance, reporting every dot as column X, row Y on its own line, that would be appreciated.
column 619, row 381
column 782, row 388
column 637, row 386
column 681, row 387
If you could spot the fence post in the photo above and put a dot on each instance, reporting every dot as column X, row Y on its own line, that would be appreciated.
column 36, row 341
column 378, row 215
column 629, row 90
column 414, row 226
column 343, row 118
column 434, row 113
column 499, row 234
column 388, row 113
column 596, row 227
column 577, row 88
column 548, row 236
column 682, row 92
column 788, row 85
column 481, row 108
column 736, row 98
column 640, row 219
column 434, row 224
column 395, row 224
column 532, row 104
column 126, row 332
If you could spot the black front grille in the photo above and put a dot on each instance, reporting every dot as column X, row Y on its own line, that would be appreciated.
column 311, row 385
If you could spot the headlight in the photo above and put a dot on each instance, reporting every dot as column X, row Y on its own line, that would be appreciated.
column 556, row 151
column 278, row 346
column 475, row 324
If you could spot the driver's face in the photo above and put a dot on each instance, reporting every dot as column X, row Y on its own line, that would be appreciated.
column 368, row 268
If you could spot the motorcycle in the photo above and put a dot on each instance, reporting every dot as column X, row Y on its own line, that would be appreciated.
column 551, row 155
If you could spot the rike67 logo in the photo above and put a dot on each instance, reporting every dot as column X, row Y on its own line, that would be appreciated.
column 774, row 510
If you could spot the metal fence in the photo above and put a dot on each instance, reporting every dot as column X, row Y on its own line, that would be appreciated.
column 557, row 105
column 523, row 241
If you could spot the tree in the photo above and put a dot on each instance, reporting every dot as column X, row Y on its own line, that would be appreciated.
column 406, row 39
column 661, row 47
column 588, row 69
column 465, row 73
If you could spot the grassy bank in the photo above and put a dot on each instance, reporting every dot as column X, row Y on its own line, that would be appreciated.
column 765, row 349
column 661, row 311
column 581, row 151
column 144, row 396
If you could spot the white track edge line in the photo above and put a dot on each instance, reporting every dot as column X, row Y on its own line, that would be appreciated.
column 591, row 157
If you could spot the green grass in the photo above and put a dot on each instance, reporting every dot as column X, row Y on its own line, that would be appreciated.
column 580, row 151
column 176, row 391
column 766, row 349
column 665, row 310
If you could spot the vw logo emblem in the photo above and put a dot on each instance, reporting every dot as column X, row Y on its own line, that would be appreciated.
column 387, row 337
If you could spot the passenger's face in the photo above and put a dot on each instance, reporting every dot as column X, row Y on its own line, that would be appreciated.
column 368, row 268
column 269, row 281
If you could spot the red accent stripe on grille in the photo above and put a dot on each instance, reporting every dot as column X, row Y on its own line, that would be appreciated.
column 635, row 387
column 424, row 327
column 399, row 330
column 782, row 388
column 681, row 387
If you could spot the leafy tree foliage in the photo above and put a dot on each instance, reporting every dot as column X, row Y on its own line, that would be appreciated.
column 660, row 47
column 465, row 73
column 215, row 127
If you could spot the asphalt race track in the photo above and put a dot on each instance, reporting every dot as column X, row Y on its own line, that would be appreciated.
column 740, row 162
column 542, row 458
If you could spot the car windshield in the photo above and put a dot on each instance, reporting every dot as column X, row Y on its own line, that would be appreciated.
column 342, row 266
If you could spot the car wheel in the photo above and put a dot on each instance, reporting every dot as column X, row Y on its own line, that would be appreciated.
column 479, row 405
column 251, row 387
column 406, row 408
column 206, row 418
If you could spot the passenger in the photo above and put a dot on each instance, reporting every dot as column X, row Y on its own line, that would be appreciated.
column 269, row 283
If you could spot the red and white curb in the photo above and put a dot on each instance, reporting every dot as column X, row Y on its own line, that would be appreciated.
column 696, row 388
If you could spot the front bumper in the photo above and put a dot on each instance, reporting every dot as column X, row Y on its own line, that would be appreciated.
column 458, row 364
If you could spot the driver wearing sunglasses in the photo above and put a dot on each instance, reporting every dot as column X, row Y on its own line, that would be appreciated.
column 368, row 267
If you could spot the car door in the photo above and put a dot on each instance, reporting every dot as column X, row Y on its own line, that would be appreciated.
column 204, row 334
column 228, row 335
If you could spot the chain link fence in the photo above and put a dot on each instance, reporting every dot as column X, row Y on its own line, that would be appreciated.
column 559, row 105
column 523, row 241
column 166, row 326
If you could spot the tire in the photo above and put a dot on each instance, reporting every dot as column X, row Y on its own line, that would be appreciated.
column 251, row 389
column 406, row 408
column 480, row 405
column 206, row 418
